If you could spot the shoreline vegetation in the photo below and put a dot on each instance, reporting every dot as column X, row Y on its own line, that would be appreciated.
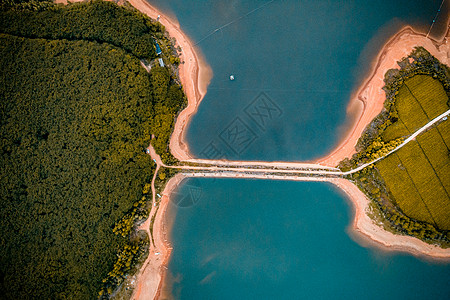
column 195, row 75
column 370, row 95
column 407, row 189
column 77, row 113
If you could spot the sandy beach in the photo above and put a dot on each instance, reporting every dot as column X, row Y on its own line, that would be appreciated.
column 150, row 277
column 371, row 95
column 367, row 102
column 195, row 76
column 368, row 233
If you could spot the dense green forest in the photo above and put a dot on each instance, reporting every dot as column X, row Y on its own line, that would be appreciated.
column 77, row 110
column 99, row 21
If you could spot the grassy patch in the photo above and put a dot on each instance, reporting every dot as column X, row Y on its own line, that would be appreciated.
column 402, row 188
column 410, row 187
column 412, row 180
column 443, row 172
column 417, row 176
column 415, row 162
column 394, row 131
column 426, row 181
column 434, row 148
column 419, row 100
column 444, row 130
column 409, row 111
column 437, row 201
column 430, row 93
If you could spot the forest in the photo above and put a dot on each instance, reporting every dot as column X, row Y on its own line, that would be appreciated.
column 77, row 111
column 99, row 21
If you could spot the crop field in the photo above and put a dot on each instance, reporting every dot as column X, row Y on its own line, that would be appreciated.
column 444, row 129
column 410, row 112
column 403, row 189
column 434, row 148
column 429, row 93
column 419, row 100
column 418, row 175
column 396, row 130
column 418, row 178
column 444, row 172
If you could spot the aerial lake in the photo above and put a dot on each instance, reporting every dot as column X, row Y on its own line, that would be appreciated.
column 295, row 66
column 254, row 239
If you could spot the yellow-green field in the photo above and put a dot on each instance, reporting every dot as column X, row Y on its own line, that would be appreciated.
column 420, row 99
column 418, row 175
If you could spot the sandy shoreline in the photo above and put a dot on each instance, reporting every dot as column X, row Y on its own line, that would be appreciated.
column 195, row 76
column 371, row 94
column 372, row 234
column 151, row 275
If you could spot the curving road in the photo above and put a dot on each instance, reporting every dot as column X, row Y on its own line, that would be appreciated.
column 410, row 138
column 273, row 170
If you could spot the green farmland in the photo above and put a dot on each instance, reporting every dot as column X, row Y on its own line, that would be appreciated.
column 419, row 100
column 418, row 175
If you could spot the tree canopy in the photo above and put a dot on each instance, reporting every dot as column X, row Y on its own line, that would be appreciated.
column 77, row 110
column 99, row 21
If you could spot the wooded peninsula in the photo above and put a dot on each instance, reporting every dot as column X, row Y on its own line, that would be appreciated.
column 86, row 87
column 77, row 112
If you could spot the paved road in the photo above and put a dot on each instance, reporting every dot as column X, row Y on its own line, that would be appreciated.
column 278, row 170
column 258, row 164
column 412, row 137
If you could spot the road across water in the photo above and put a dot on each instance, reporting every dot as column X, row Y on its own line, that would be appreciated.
column 273, row 170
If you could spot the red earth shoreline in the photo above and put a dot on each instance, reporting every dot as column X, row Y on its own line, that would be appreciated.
column 371, row 95
column 195, row 76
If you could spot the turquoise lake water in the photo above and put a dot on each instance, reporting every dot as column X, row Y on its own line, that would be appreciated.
column 295, row 64
column 306, row 57
column 254, row 239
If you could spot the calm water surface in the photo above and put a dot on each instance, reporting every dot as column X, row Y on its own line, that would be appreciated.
column 295, row 65
column 254, row 239
column 305, row 56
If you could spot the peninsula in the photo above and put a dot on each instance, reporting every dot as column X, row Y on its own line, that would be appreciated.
column 112, row 212
column 370, row 98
